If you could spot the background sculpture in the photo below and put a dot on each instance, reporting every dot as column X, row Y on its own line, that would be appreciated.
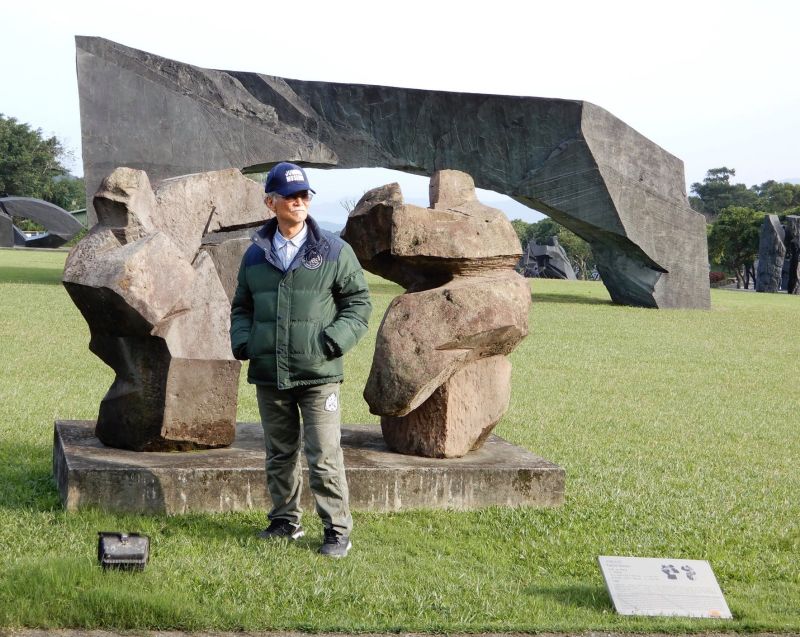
column 60, row 226
column 571, row 159
column 440, row 379
column 548, row 261
column 152, row 293
column 779, row 255
column 793, row 254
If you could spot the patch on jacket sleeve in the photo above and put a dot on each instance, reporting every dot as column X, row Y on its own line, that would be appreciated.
column 332, row 402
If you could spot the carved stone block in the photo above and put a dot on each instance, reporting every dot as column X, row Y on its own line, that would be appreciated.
column 157, row 309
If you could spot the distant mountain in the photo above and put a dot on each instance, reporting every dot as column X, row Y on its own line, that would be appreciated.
column 796, row 180
column 331, row 227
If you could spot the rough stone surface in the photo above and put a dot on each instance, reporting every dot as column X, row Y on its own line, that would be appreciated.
column 458, row 416
column 421, row 247
column 90, row 474
column 437, row 346
column 157, row 309
column 59, row 224
column 6, row 231
column 211, row 202
column 792, row 226
column 426, row 337
column 771, row 254
column 226, row 250
column 581, row 165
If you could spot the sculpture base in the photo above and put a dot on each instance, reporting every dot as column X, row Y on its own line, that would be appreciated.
column 89, row 474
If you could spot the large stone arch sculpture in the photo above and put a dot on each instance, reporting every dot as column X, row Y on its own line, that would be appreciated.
column 571, row 159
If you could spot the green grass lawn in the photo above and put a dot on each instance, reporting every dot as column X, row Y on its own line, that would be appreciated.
column 679, row 432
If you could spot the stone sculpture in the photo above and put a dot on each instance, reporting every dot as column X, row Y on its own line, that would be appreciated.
column 548, row 261
column 571, row 159
column 771, row 255
column 8, row 231
column 792, row 225
column 156, row 306
column 440, row 379
column 60, row 226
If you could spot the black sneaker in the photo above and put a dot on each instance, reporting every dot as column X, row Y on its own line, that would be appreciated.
column 335, row 544
column 279, row 528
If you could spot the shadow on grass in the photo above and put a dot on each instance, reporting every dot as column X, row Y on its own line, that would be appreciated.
column 240, row 525
column 35, row 276
column 575, row 596
column 568, row 298
column 26, row 478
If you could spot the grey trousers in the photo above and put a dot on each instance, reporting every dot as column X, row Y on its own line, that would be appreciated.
column 320, row 435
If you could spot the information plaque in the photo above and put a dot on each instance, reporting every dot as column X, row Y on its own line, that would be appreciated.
column 655, row 586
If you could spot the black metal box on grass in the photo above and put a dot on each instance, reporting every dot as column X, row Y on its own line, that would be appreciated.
column 125, row 551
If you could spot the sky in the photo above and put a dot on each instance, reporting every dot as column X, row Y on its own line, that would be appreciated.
column 712, row 82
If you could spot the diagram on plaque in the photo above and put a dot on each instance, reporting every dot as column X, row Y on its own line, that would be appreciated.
column 655, row 586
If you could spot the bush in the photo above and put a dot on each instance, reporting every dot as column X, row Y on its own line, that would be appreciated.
column 717, row 279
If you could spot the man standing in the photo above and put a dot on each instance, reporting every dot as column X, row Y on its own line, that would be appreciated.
column 301, row 302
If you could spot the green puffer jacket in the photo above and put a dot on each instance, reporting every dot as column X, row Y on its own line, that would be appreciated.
column 295, row 326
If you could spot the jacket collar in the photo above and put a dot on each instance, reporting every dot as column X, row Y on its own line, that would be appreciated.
column 315, row 241
column 267, row 231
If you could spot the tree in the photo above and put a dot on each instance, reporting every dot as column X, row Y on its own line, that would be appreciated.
column 348, row 204
column 777, row 198
column 733, row 239
column 31, row 166
column 717, row 193
column 69, row 193
column 523, row 230
column 28, row 162
column 542, row 230
column 579, row 253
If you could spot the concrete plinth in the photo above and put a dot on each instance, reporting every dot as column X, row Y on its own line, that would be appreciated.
column 89, row 474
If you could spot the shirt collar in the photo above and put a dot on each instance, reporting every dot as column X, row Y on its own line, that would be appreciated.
column 279, row 240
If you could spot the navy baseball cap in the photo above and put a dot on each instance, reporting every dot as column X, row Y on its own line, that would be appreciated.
column 286, row 179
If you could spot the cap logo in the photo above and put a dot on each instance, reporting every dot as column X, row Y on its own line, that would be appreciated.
column 286, row 179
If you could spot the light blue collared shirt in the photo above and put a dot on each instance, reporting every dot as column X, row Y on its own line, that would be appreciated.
column 287, row 249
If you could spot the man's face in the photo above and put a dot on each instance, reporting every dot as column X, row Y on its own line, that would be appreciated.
column 291, row 210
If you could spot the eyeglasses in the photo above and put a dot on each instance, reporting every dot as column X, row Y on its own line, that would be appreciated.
column 305, row 195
